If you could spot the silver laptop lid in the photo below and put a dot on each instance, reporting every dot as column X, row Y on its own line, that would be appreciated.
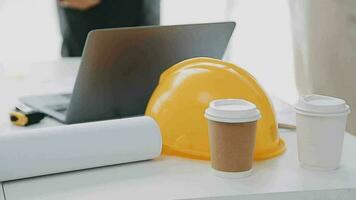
column 121, row 67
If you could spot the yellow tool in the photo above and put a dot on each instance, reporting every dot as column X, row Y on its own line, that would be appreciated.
column 184, row 92
column 25, row 116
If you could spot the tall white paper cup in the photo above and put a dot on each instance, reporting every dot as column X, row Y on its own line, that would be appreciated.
column 321, row 122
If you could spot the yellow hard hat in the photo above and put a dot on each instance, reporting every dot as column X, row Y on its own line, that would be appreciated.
column 184, row 92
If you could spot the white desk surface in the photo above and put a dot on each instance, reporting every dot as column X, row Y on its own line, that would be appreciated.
column 167, row 177
column 2, row 196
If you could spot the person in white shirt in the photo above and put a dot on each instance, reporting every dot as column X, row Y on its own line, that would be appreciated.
column 324, row 33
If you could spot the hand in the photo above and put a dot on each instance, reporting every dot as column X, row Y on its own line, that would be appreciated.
column 79, row 4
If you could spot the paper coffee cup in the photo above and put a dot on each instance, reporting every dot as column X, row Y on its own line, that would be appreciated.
column 321, row 122
column 232, row 131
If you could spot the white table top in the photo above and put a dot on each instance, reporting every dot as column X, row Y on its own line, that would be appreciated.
column 165, row 177
column 177, row 178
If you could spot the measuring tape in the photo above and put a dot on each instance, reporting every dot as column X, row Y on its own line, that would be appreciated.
column 25, row 116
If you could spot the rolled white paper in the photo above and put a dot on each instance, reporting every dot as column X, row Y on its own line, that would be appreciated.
column 45, row 151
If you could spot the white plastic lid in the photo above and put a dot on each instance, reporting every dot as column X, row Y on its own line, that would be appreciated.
column 232, row 111
column 321, row 105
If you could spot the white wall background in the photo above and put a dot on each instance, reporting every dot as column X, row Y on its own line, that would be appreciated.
column 261, row 42
column 29, row 30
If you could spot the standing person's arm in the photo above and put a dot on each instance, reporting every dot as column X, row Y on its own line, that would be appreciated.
column 79, row 4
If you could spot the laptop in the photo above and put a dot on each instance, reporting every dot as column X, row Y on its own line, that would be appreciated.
column 120, row 69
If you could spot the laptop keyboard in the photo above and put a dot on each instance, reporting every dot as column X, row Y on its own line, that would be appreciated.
column 59, row 108
column 63, row 107
column 67, row 96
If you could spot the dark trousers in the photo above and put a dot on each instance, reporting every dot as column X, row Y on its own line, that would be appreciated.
column 76, row 24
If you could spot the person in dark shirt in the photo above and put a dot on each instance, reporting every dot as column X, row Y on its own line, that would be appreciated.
column 78, row 17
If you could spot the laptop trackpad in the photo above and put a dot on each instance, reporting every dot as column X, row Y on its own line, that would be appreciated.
column 52, row 105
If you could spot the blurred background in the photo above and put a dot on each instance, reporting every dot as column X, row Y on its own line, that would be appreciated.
column 262, row 41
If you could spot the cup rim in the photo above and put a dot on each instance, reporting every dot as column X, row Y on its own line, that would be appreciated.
column 320, row 105
column 232, row 111
column 316, row 114
column 231, row 120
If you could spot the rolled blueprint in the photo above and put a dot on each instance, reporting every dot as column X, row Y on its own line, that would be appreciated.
column 45, row 151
